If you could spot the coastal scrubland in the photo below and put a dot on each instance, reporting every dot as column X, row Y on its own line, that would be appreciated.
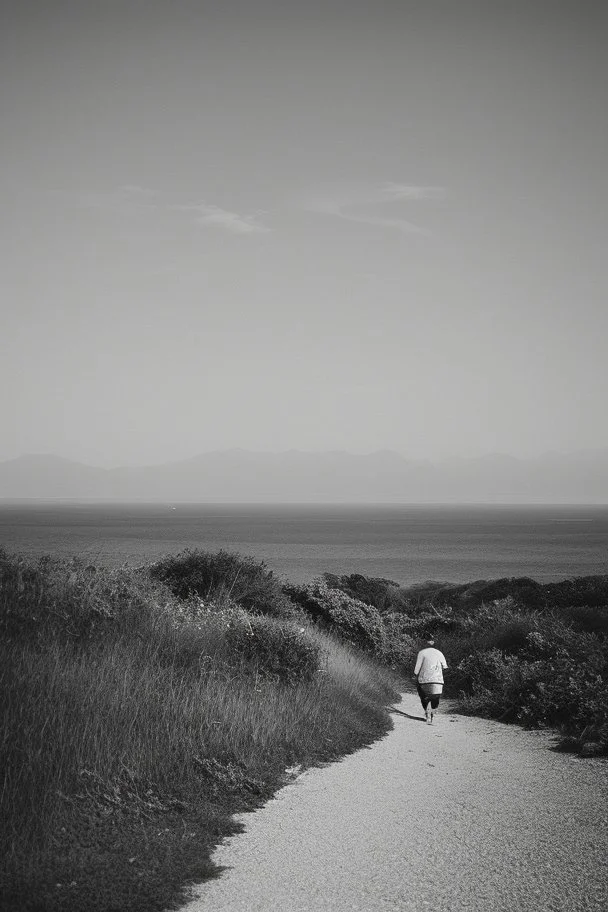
column 143, row 707
column 137, row 721
column 518, row 650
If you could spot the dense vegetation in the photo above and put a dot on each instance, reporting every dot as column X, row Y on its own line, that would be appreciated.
column 136, row 722
column 143, row 707
column 518, row 650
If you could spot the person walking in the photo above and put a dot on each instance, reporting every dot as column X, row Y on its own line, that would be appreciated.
column 430, row 665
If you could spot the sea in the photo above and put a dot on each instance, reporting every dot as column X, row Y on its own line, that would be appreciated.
column 407, row 544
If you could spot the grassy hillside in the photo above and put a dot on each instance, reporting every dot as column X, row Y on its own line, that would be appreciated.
column 135, row 722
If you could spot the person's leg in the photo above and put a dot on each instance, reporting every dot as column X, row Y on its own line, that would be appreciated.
column 434, row 704
column 424, row 697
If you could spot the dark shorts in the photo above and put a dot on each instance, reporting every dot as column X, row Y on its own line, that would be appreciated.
column 426, row 698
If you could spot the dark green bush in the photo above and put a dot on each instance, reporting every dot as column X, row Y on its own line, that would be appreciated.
column 581, row 591
column 497, row 685
column 589, row 591
column 216, row 577
column 399, row 647
column 275, row 649
column 352, row 620
column 383, row 594
column 557, row 678
column 587, row 618
column 509, row 635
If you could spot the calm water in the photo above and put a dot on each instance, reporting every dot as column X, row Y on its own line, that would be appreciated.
column 404, row 543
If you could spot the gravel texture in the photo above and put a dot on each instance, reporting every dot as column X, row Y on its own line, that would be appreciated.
column 466, row 814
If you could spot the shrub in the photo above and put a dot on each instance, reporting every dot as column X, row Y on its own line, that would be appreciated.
column 352, row 620
column 528, row 593
column 557, row 679
column 73, row 600
column 587, row 618
column 383, row 594
column 275, row 649
column 498, row 685
column 224, row 575
column 581, row 591
column 507, row 630
column 399, row 647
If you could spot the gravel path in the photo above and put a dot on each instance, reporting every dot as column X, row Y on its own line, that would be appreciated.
column 466, row 814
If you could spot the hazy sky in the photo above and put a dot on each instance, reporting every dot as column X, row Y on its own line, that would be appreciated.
column 321, row 225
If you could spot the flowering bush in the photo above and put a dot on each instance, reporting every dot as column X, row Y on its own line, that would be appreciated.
column 399, row 647
column 383, row 594
column 275, row 649
column 352, row 620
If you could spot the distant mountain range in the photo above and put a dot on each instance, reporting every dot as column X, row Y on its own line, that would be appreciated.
column 299, row 477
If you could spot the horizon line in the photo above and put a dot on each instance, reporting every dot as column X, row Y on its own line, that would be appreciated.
column 174, row 504
column 492, row 454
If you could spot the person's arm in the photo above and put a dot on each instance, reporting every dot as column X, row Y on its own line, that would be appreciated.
column 418, row 665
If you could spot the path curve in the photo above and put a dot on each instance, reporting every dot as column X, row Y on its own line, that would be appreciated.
column 466, row 814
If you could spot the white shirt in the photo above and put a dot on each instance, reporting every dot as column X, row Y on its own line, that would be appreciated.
column 429, row 666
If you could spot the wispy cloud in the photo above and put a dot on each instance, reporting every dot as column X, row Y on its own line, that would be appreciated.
column 210, row 216
column 385, row 205
column 368, row 218
column 130, row 199
column 357, row 205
